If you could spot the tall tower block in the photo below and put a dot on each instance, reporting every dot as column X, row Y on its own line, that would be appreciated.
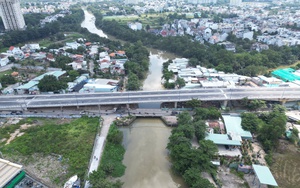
column 11, row 14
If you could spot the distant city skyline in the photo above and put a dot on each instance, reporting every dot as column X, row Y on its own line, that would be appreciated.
column 11, row 15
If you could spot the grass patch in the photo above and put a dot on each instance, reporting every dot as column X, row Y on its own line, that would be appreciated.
column 5, row 72
column 285, row 66
column 73, row 141
column 285, row 167
column 7, row 130
column 111, row 161
column 237, row 173
column 152, row 20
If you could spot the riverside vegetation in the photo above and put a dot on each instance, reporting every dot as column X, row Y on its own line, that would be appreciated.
column 244, row 62
column 111, row 162
column 190, row 161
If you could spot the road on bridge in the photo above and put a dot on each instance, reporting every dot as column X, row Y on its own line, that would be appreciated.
column 88, row 99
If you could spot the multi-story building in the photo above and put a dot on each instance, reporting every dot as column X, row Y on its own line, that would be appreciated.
column 11, row 14
column 235, row 2
column 132, row 1
column 202, row 1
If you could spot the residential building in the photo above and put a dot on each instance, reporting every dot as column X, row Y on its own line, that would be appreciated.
column 235, row 2
column 11, row 14
column 3, row 60
column 132, row 1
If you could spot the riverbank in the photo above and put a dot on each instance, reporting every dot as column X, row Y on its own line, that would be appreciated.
column 146, row 157
column 170, row 121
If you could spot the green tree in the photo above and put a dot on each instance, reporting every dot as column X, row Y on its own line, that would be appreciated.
column 115, row 135
column 80, row 50
column 184, row 118
column 194, row 103
column 208, row 148
column 256, row 104
column 7, row 80
column 73, row 74
column 193, row 62
column 270, row 131
column 133, row 82
column 167, row 75
column 51, row 83
column 193, row 178
column 250, row 122
column 200, row 129
column 180, row 82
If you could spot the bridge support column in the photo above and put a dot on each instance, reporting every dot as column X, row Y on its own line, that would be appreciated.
column 127, row 106
column 99, row 108
column 225, row 103
column 283, row 101
column 175, row 104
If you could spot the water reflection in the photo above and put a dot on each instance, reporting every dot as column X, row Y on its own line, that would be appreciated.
column 89, row 23
column 146, row 157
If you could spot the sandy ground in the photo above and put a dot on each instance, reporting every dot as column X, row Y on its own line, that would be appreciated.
column 258, row 148
column 43, row 168
column 230, row 180
column 17, row 133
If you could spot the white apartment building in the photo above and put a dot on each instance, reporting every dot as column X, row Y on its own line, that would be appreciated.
column 132, row 1
column 235, row 2
column 202, row 1
column 11, row 14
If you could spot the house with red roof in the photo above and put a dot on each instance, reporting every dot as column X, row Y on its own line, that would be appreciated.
column 16, row 52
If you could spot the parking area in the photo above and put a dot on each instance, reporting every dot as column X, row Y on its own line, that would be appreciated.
column 29, row 182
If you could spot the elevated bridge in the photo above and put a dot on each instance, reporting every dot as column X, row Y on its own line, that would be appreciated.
column 282, row 94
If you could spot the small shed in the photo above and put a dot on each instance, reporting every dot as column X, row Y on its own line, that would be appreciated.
column 264, row 176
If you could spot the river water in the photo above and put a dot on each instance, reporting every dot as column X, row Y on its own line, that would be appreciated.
column 146, row 158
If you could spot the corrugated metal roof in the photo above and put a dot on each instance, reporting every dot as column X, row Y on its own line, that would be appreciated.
column 8, row 171
column 222, row 139
column 264, row 175
column 28, row 85
column 233, row 125
column 286, row 74
column 54, row 73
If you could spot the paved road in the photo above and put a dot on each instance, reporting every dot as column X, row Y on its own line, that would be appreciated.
column 215, row 94
column 99, row 145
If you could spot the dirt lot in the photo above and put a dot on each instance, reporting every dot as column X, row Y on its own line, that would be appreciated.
column 46, row 169
column 286, row 168
column 228, row 179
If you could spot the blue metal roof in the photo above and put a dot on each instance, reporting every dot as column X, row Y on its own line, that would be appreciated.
column 233, row 125
column 222, row 139
column 54, row 73
column 264, row 175
column 28, row 85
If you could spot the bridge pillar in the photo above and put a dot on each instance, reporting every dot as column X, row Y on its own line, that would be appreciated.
column 99, row 108
column 175, row 104
column 127, row 106
column 283, row 101
column 225, row 103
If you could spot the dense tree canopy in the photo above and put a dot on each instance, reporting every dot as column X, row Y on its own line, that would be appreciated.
column 51, row 84
column 7, row 80
column 62, row 62
column 269, row 126
column 68, row 23
column 242, row 62
column 189, row 161
column 133, row 82
column 250, row 122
